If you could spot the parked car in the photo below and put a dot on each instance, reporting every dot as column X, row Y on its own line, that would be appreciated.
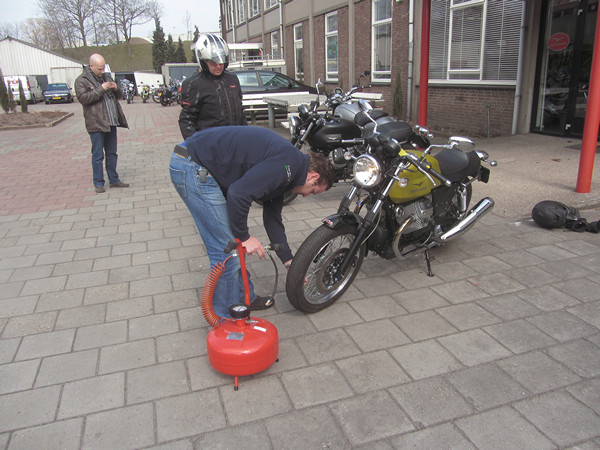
column 269, row 82
column 57, row 93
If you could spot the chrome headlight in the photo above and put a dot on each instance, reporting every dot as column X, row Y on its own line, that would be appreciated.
column 367, row 171
column 294, row 125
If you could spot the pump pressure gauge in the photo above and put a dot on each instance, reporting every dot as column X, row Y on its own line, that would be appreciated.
column 239, row 311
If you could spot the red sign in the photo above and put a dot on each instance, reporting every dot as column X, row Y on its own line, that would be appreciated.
column 558, row 41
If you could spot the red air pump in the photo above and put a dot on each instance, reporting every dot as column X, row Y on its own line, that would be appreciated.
column 242, row 345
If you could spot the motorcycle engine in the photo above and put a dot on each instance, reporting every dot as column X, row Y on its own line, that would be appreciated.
column 337, row 158
column 420, row 213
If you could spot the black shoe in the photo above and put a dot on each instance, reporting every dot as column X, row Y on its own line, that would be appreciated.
column 261, row 303
column 100, row 189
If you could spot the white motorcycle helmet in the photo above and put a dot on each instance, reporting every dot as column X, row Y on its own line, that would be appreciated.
column 211, row 47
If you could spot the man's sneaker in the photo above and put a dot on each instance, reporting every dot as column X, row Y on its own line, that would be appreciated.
column 119, row 185
column 261, row 303
column 100, row 189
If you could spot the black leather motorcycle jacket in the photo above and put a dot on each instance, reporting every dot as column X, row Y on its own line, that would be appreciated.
column 208, row 101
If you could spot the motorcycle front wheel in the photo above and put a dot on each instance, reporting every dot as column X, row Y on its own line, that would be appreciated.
column 156, row 98
column 310, row 284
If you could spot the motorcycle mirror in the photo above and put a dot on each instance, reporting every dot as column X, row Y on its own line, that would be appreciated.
column 366, row 73
column 462, row 143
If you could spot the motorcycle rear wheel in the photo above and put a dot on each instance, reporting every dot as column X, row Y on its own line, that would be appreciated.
column 156, row 98
column 309, row 284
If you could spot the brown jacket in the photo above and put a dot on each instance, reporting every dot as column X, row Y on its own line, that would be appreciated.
column 94, row 109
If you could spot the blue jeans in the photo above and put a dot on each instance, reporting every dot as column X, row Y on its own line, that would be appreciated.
column 208, row 207
column 101, row 143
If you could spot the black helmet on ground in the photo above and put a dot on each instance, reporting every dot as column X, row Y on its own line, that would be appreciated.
column 552, row 214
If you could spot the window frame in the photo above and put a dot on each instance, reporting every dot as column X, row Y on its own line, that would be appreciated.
column 269, row 4
column 253, row 8
column 380, row 76
column 298, row 45
column 241, row 15
column 275, row 44
column 330, row 75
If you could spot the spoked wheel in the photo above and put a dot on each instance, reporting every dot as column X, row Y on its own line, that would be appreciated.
column 310, row 283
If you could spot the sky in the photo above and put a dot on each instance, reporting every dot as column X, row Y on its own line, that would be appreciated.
column 204, row 14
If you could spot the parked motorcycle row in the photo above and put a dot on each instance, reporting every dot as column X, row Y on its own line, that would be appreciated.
column 165, row 95
column 406, row 196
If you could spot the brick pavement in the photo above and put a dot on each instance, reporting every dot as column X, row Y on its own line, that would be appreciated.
column 102, row 341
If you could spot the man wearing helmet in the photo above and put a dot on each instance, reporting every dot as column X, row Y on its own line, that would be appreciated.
column 211, row 97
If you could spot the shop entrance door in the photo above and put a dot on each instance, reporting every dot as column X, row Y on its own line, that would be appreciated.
column 564, row 65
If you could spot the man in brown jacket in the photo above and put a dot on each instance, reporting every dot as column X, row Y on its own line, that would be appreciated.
column 99, row 94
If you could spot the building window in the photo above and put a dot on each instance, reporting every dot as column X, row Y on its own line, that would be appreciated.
column 254, row 6
column 331, row 46
column 298, row 53
column 270, row 4
column 475, row 41
column 275, row 49
column 241, row 12
column 229, row 14
column 382, row 40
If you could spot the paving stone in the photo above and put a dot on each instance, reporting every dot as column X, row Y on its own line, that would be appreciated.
column 372, row 371
column 182, row 345
column 67, row 367
column 425, row 359
column 112, row 262
column 16, row 262
column 18, row 306
column 292, row 324
column 153, row 286
column 92, row 395
column 587, row 392
column 375, row 286
column 419, row 300
column 415, row 278
column 562, row 326
column 203, row 376
column 377, row 335
column 370, row 417
column 128, row 274
column 582, row 289
column 188, row 415
column 474, row 347
column 547, row 298
column 253, row 436
column 508, row 307
column 154, row 325
column 337, row 315
column 18, row 376
column 126, row 356
column 424, row 325
column 467, row 315
column 519, row 336
column 590, row 312
column 562, row 418
column 131, row 427
column 45, row 344
column 564, row 271
column 581, row 356
column 28, row 408
column 31, row 273
column 453, row 271
column 101, row 335
column 486, row 264
column 151, row 383
column 8, row 348
column 537, row 372
column 326, row 346
column 459, row 291
column 60, row 300
column 30, row 324
column 531, row 276
column 501, row 429
column 315, row 385
column 377, row 308
column 65, row 434
column 441, row 436
column 519, row 257
column 53, row 284
column 80, row 317
column 177, row 300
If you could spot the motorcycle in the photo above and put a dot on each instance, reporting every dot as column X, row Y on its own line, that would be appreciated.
column 332, row 132
column 414, row 201
column 172, row 94
column 128, row 89
column 156, row 93
column 145, row 94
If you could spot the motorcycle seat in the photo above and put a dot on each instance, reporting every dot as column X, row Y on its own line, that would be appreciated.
column 456, row 165
column 401, row 131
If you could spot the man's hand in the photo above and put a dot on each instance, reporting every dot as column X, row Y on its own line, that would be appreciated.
column 254, row 247
column 109, row 85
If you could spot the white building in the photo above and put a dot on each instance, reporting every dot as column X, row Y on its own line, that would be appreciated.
column 21, row 58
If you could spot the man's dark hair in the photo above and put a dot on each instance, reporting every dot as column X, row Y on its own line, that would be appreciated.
column 321, row 165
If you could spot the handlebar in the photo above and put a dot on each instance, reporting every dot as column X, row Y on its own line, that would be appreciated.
column 425, row 167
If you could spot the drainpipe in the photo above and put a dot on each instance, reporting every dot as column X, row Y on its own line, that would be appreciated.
column 281, row 31
column 424, row 76
column 518, row 88
column 411, row 49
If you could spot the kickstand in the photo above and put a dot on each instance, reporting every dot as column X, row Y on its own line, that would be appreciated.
column 428, row 260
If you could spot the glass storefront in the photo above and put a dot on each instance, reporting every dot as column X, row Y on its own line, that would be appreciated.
column 564, row 65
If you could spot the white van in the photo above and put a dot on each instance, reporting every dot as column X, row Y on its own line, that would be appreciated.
column 31, row 88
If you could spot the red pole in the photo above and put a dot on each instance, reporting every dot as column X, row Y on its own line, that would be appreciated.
column 424, row 76
column 592, row 121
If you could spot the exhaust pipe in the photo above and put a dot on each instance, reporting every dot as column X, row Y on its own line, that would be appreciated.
column 479, row 210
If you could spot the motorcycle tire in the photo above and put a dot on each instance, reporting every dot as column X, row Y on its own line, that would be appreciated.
column 164, row 101
column 156, row 98
column 144, row 99
column 128, row 100
column 308, row 285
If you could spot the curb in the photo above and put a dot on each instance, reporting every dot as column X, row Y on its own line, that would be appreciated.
column 41, row 125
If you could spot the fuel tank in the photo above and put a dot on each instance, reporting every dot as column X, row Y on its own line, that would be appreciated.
column 329, row 135
column 418, row 184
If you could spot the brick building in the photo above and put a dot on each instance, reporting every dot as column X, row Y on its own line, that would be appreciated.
column 495, row 66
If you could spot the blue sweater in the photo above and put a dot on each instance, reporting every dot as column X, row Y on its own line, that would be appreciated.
column 251, row 163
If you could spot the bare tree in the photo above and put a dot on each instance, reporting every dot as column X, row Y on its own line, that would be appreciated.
column 9, row 29
column 187, row 23
column 44, row 34
column 155, row 10
column 76, row 13
column 125, row 14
